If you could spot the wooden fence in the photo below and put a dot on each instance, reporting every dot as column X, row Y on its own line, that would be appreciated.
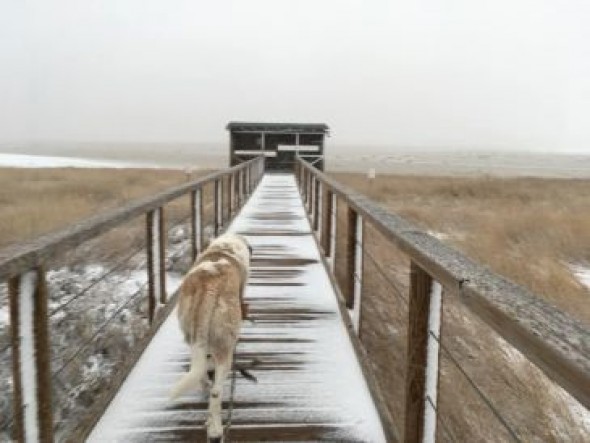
column 553, row 341
column 25, row 270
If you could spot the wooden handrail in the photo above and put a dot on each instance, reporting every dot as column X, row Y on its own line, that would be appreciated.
column 24, row 268
column 557, row 343
column 16, row 259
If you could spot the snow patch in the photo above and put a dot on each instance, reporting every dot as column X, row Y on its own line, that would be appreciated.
column 43, row 161
column 4, row 316
column 438, row 235
column 582, row 274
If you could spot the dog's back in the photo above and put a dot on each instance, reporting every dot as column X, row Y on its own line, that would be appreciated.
column 209, row 307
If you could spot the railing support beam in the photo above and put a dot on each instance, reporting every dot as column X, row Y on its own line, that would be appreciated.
column 196, row 222
column 317, row 205
column 419, row 308
column 156, row 238
column 326, row 232
column 217, row 208
column 358, row 272
column 31, row 357
column 350, row 257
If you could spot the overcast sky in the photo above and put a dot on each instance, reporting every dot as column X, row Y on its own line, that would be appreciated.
column 449, row 73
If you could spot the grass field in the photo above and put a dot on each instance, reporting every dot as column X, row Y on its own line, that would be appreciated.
column 38, row 201
column 526, row 229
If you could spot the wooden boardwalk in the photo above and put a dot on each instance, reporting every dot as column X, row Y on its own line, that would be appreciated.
column 310, row 385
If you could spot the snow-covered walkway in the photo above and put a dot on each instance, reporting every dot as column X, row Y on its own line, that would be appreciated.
column 310, row 385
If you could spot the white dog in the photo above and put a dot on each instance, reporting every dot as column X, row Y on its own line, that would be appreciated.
column 210, row 311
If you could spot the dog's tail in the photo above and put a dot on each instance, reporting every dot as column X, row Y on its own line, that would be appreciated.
column 198, row 297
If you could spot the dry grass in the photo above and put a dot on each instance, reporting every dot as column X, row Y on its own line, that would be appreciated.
column 37, row 201
column 526, row 229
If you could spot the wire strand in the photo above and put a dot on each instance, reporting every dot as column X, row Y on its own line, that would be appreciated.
column 398, row 292
column 479, row 392
column 98, row 331
column 97, row 281
column 113, row 269
column 445, row 428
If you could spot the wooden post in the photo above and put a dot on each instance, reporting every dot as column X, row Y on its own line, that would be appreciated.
column 309, row 199
column 241, row 187
column 358, row 271
column 216, row 218
column 162, row 254
column 317, row 204
column 419, row 307
column 232, row 194
column 259, row 170
column 156, row 260
column 333, row 231
column 432, row 362
column 304, row 184
column 325, row 239
column 150, row 263
column 311, row 203
column 350, row 257
column 196, row 222
column 302, row 175
column 222, row 201
column 31, row 357
column 248, row 180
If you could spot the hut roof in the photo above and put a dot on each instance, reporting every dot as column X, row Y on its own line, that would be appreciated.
column 278, row 127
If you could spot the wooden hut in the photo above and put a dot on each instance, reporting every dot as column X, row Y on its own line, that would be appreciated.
column 280, row 143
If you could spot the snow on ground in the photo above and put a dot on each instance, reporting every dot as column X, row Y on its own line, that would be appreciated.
column 74, row 319
column 42, row 161
column 582, row 274
column 4, row 316
column 438, row 235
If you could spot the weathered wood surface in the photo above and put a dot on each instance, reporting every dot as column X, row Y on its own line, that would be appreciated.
column 14, row 260
column 554, row 341
column 310, row 385
column 420, row 289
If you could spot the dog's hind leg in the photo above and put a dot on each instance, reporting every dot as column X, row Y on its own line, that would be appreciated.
column 195, row 377
column 223, row 362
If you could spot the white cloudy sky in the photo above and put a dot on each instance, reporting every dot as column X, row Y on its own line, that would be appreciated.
column 466, row 73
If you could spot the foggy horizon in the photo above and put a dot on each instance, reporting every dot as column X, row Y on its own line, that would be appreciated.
column 507, row 76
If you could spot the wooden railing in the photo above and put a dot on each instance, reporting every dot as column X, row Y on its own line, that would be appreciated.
column 553, row 341
column 24, row 267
